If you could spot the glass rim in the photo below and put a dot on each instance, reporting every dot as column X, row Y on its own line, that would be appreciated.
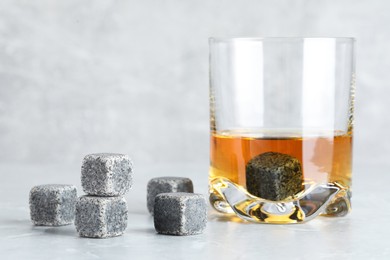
column 286, row 39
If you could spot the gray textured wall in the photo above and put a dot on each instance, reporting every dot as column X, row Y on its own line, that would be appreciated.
column 132, row 76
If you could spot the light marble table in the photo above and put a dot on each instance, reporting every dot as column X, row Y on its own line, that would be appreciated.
column 364, row 234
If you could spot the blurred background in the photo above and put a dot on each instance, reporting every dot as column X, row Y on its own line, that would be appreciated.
column 78, row 77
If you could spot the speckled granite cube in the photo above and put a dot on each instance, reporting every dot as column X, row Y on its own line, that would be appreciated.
column 274, row 176
column 106, row 174
column 165, row 185
column 180, row 213
column 52, row 204
column 101, row 217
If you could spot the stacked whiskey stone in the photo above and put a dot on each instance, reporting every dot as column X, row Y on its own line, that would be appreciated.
column 103, row 211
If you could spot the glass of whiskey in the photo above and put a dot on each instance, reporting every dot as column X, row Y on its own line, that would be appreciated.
column 281, row 127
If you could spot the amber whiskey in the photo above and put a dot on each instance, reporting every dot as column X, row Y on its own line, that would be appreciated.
column 325, row 158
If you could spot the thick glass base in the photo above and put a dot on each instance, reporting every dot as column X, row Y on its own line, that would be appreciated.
column 331, row 199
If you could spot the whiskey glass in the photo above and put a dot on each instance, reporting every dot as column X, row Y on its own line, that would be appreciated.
column 281, row 127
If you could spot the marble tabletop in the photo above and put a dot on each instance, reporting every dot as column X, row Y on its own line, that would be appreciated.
column 363, row 234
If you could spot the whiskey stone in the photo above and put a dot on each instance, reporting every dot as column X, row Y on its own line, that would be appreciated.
column 101, row 217
column 52, row 204
column 106, row 174
column 274, row 176
column 180, row 213
column 166, row 185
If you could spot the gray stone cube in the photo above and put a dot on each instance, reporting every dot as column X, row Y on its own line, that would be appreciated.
column 180, row 213
column 101, row 217
column 274, row 176
column 106, row 174
column 52, row 204
column 165, row 185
